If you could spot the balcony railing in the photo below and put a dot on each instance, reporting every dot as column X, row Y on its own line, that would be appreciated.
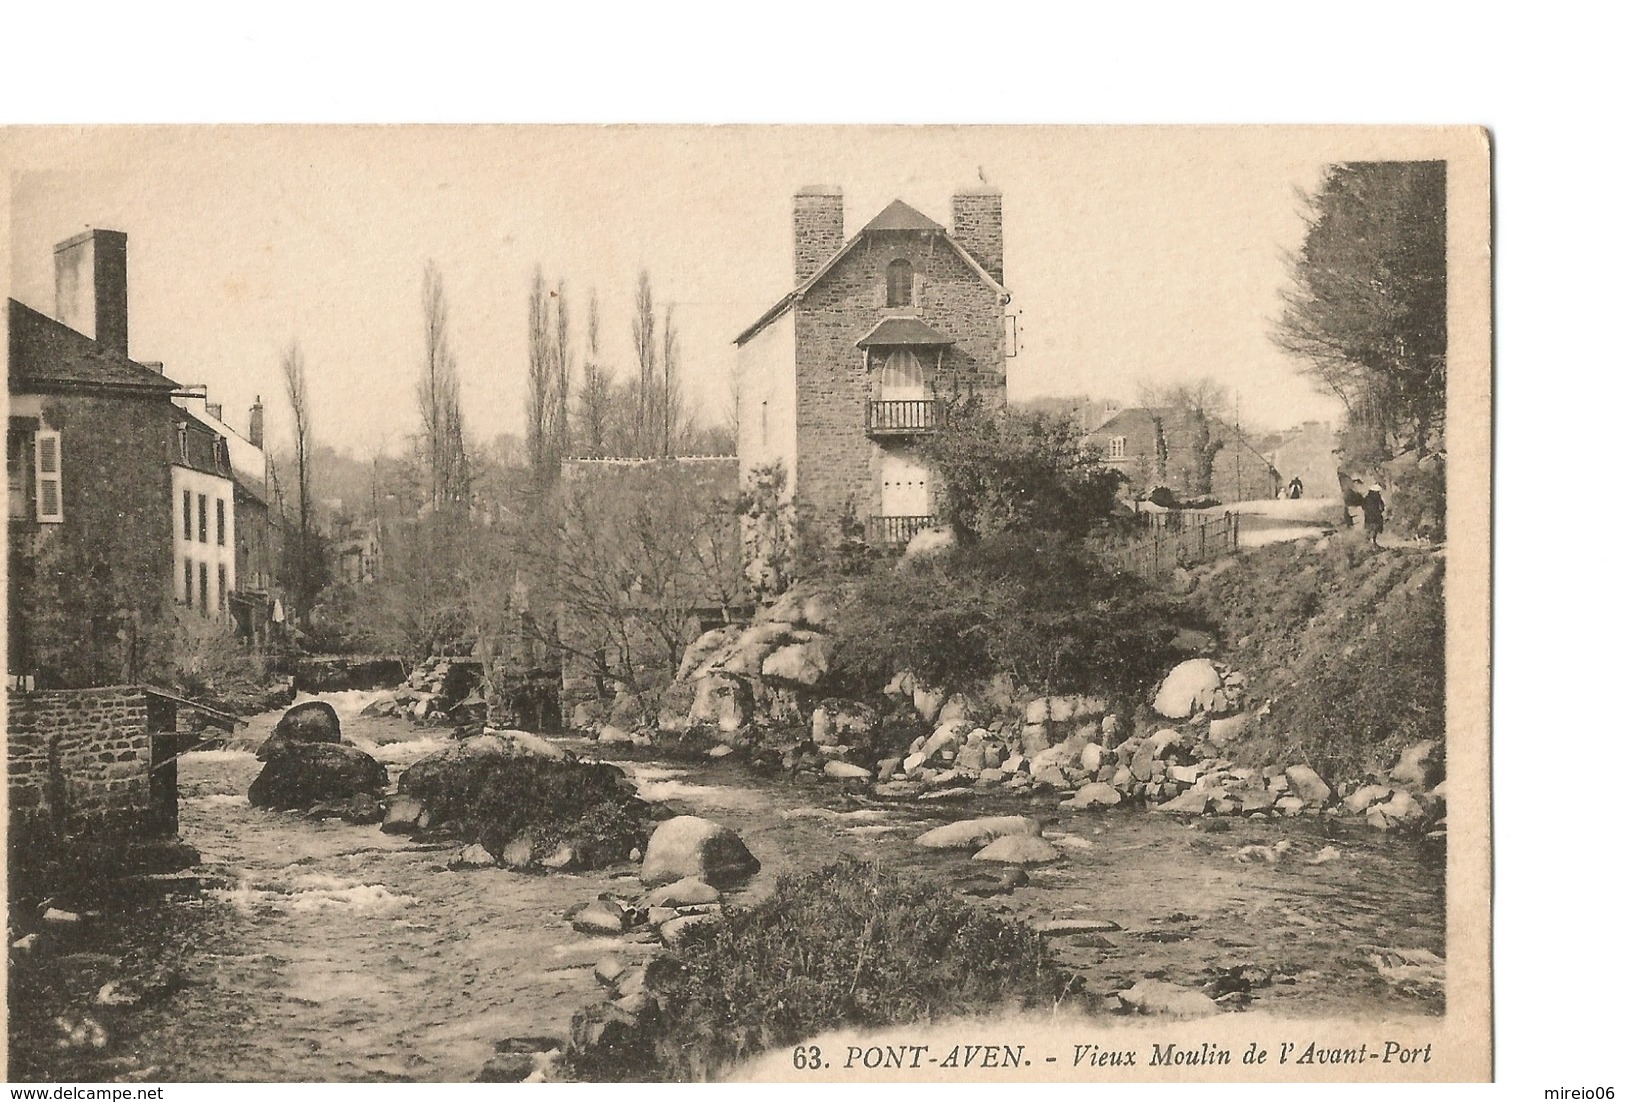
column 899, row 418
column 896, row 531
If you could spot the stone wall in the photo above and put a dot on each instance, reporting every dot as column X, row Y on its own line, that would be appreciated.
column 836, row 462
column 79, row 755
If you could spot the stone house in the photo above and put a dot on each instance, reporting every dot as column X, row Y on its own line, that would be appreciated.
column 1192, row 455
column 89, row 490
column 843, row 376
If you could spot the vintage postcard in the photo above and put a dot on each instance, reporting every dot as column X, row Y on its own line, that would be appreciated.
column 821, row 604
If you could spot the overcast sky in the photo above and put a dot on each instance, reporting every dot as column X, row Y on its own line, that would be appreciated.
column 1132, row 254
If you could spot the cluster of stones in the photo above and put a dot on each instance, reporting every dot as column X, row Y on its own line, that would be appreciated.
column 1070, row 745
column 690, row 862
column 439, row 690
column 733, row 679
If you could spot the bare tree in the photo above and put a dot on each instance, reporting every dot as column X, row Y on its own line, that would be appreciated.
column 644, row 427
column 440, row 401
column 305, row 572
column 670, row 399
column 545, row 406
column 1185, row 415
column 593, row 409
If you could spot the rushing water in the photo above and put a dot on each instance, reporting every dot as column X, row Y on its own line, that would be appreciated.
column 326, row 951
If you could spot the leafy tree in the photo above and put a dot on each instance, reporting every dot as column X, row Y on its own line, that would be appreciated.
column 1366, row 308
column 1007, row 471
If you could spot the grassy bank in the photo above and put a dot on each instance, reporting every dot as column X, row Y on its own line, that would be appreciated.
column 851, row 944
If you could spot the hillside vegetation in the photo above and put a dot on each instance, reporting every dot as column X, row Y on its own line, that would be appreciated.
column 1343, row 644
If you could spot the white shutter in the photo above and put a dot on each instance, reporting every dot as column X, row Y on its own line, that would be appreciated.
column 48, row 477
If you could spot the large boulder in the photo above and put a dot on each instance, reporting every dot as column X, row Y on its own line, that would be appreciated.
column 722, row 702
column 1419, row 766
column 430, row 776
column 799, row 663
column 1191, row 686
column 1307, row 785
column 314, row 721
column 976, row 833
column 691, row 846
column 301, row 774
column 530, row 800
column 1018, row 849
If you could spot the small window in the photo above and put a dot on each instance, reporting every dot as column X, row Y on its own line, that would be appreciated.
column 186, row 588
column 222, row 587
column 202, row 518
column 203, row 587
column 48, row 477
column 899, row 283
column 219, row 447
column 1117, row 448
column 220, row 521
column 181, row 444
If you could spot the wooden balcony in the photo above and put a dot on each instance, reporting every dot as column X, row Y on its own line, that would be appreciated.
column 910, row 417
column 896, row 531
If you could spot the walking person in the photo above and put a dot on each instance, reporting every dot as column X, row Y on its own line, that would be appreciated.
column 1374, row 508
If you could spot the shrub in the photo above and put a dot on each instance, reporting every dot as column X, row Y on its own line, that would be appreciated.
column 495, row 798
column 1008, row 471
column 1043, row 610
column 1415, row 496
column 851, row 944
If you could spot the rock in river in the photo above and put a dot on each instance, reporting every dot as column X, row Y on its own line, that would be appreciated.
column 976, row 833
column 312, row 721
column 691, row 846
column 1018, row 849
column 300, row 774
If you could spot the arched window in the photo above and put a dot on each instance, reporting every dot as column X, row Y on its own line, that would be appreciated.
column 899, row 283
column 902, row 377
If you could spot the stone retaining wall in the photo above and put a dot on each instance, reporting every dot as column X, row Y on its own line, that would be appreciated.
column 78, row 755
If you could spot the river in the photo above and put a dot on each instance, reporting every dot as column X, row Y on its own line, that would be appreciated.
column 326, row 951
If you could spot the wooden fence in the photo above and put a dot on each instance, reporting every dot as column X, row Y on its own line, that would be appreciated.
column 1177, row 539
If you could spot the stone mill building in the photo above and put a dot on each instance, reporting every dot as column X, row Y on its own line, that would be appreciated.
column 843, row 376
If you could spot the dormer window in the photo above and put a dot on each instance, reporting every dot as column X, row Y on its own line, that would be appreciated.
column 899, row 283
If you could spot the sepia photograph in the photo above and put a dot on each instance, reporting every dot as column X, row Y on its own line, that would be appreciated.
column 587, row 604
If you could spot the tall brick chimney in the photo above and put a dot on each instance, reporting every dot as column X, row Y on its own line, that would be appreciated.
column 820, row 227
column 256, row 423
column 93, row 289
column 979, row 226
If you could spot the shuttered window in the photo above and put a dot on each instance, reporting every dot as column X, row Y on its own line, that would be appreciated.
column 48, row 477
column 220, row 521
column 222, row 587
column 202, row 518
column 186, row 515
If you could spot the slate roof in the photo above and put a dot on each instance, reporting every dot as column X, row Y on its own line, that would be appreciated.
column 898, row 216
column 892, row 332
column 200, row 452
column 44, row 354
